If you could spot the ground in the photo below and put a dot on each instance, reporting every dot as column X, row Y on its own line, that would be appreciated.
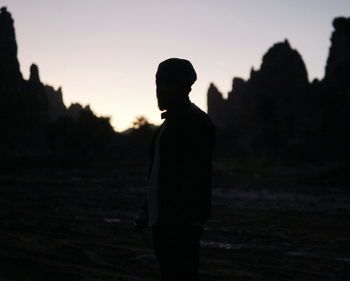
column 269, row 223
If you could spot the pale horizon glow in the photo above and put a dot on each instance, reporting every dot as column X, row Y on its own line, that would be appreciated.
column 105, row 53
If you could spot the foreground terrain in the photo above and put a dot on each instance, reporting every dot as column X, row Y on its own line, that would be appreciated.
column 268, row 224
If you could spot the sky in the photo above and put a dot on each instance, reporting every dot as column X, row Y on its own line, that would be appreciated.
column 105, row 52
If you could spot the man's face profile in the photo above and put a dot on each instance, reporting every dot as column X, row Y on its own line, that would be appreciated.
column 166, row 95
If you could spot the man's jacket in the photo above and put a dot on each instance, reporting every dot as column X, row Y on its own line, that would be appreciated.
column 185, row 153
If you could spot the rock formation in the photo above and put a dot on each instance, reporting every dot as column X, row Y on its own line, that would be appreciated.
column 278, row 112
column 338, row 62
column 216, row 105
column 56, row 106
column 10, row 75
column 34, row 74
column 30, row 111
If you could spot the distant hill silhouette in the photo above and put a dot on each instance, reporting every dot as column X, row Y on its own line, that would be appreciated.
column 34, row 118
column 35, row 122
column 277, row 113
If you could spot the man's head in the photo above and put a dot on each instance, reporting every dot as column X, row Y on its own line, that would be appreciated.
column 174, row 79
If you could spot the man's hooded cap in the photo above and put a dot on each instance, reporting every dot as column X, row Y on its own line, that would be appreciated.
column 177, row 72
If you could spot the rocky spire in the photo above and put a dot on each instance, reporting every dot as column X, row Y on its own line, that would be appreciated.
column 338, row 62
column 216, row 104
column 7, row 33
column 214, row 97
column 285, row 64
column 9, row 66
column 238, row 87
column 34, row 74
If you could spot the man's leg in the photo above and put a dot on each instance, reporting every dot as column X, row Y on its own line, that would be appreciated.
column 177, row 250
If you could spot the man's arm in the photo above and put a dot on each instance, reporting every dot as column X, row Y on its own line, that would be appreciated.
column 141, row 220
column 194, row 190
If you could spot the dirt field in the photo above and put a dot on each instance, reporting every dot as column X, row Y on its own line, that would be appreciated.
column 269, row 224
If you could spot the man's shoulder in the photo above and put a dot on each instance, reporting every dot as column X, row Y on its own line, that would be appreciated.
column 198, row 117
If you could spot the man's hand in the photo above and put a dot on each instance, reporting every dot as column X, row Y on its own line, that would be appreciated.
column 141, row 220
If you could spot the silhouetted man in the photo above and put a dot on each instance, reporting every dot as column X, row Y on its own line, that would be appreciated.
column 179, row 197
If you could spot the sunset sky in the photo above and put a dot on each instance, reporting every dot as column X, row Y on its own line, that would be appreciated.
column 105, row 52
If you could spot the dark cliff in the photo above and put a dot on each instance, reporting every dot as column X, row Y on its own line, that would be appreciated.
column 338, row 62
column 34, row 118
column 278, row 113
column 10, row 75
